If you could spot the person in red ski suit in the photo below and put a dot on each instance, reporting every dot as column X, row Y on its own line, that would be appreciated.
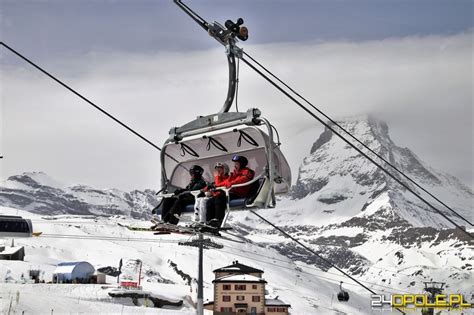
column 218, row 204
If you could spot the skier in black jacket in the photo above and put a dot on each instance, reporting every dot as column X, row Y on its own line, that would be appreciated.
column 173, row 206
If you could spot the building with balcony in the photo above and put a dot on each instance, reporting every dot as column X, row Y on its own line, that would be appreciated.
column 240, row 289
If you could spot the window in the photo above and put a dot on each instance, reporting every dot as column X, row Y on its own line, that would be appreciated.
column 226, row 298
column 254, row 286
column 226, row 287
column 271, row 309
column 240, row 298
column 255, row 299
column 226, row 309
column 281, row 309
column 240, row 287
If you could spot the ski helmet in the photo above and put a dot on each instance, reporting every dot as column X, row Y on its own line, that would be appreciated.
column 223, row 165
column 196, row 170
column 241, row 159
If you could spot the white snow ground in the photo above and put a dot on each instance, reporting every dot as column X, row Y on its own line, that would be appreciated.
column 308, row 290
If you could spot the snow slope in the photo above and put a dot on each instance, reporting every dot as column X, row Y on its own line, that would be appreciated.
column 308, row 290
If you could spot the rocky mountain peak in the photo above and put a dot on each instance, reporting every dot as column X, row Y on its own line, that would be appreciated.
column 33, row 180
column 366, row 128
column 37, row 192
column 336, row 174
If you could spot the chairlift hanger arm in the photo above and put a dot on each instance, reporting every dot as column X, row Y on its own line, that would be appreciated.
column 225, row 35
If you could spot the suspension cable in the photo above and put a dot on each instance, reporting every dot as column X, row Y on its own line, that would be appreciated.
column 352, row 145
column 86, row 100
column 131, row 239
column 252, row 211
column 270, row 81
column 267, row 261
column 106, row 238
column 311, row 251
column 355, row 138
column 316, row 254
column 317, row 268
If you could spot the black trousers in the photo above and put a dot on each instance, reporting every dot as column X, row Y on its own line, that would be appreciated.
column 175, row 205
column 217, row 206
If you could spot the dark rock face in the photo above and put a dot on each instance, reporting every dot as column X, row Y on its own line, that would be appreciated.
column 301, row 190
column 137, row 296
column 413, row 166
column 323, row 138
column 333, row 199
column 37, row 197
column 182, row 274
column 343, row 258
column 109, row 271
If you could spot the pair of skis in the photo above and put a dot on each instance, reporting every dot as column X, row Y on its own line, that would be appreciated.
column 162, row 228
column 194, row 228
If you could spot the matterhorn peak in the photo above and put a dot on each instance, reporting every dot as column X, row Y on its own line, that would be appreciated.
column 335, row 174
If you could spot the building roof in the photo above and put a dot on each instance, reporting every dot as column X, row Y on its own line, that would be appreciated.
column 239, row 278
column 72, row 263
column 11, row 250
column 275, row 302
column 238, row 268
column 68, row 267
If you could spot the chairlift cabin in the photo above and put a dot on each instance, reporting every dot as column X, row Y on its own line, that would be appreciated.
column 216, row 138
column 15, row 226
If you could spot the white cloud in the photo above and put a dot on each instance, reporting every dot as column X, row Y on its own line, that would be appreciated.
column 422, row 86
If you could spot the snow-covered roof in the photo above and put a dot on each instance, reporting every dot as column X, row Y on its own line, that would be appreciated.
column 275, row 302
column 238, row 267
column 10, row 250
column 239, row 278
column 64, row 269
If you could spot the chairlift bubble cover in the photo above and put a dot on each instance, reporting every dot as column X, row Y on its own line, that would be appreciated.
column 176, row 171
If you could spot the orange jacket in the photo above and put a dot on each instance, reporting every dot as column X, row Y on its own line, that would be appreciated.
column 239, row 177
column 219, row 181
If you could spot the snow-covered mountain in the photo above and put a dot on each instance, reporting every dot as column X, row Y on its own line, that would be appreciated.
column 38, row 193
column 354, row 215
column 344, row 183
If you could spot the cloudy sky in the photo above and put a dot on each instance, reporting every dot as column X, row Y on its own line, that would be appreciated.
column 407, row 62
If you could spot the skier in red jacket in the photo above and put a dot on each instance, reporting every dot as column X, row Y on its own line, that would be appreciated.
column 241, row 174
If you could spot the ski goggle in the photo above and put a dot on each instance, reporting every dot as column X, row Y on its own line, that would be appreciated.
column 194, row 171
